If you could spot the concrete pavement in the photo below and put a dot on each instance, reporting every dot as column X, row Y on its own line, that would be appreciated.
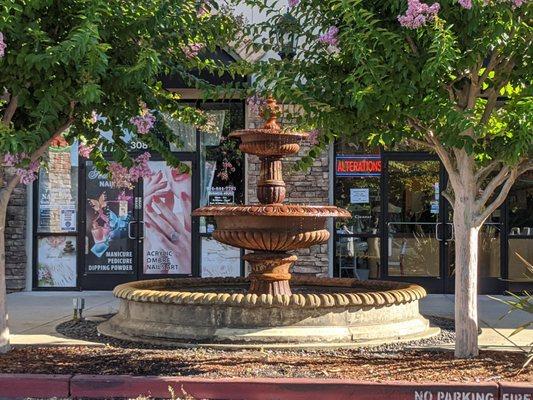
column 33, row 316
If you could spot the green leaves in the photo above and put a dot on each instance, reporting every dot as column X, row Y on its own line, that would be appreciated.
column 383, row 76
column 66, row 59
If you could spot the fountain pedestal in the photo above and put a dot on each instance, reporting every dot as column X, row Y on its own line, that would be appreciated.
column 270, row 272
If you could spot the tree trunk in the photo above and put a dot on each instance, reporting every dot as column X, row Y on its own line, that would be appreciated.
column 466, row 276
column 4, row 330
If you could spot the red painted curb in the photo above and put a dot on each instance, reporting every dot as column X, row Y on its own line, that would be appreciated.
column 516, row 391
column 94, row 386
column 34, row 385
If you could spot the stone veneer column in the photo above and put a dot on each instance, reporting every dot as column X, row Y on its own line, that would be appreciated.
column 16, row 256
column 302, row 187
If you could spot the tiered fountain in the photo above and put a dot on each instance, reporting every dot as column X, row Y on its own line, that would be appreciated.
column 264, row 308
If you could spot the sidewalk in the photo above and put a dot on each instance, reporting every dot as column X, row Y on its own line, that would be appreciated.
column 33, row 316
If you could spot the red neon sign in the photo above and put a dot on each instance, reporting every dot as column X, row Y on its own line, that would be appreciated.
column 368, row 165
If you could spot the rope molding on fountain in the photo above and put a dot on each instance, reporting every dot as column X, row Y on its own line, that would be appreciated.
column 283, row 210
column 144, row 291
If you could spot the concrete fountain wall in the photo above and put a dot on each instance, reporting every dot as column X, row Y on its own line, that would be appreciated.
column 347, row 312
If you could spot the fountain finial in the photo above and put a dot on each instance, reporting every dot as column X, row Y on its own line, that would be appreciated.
column 270, row 113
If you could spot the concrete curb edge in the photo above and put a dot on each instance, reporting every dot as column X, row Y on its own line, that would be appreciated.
column 127, row 386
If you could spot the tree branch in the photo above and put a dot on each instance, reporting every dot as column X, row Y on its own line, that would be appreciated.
column 492, row 186
column 482, row 173
column 489, row 107
column 412, row 45
column 448, row 196
column 490, row 67
column 504, row 191
column 10, row 110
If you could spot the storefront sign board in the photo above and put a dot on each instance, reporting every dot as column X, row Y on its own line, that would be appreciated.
column 358, row 166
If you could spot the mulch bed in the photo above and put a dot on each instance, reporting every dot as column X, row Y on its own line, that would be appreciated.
column 382, row 363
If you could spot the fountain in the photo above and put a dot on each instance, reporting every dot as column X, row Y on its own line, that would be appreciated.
column 268, row 307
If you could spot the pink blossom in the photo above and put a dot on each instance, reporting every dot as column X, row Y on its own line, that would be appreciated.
column 223, row 175
column 3, row 45
column 227, row 165
column 466, row 4
column 140, row 168
column 119, row 175
column 143, row 122
column 313, row 136
column 330, row 37
column 256, row 103
column 84, row 150
column 418, row 14
column 293, row 3
column 29, row 174
column 192, row 50
column 10, row 160
column 123, row 177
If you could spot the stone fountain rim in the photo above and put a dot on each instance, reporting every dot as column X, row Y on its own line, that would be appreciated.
column 266, row 131
column 391, row 293
column 272, row 210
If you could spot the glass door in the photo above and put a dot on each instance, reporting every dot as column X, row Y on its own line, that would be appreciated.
column 111, row 221
column 415, row 233
column 166, row 233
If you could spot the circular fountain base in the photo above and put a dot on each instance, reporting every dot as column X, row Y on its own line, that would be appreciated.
column 219, row 312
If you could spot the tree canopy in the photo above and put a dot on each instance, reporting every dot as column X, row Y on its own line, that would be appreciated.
column 97, row 66
column 389, row 70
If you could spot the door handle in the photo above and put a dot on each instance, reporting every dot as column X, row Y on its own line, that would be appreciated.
column 437, row 231
column 130, row 224
column 142, row 230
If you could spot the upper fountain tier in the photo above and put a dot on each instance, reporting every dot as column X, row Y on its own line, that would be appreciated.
column 271, row 226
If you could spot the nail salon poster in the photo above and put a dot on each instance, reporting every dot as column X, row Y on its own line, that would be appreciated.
column 109, row 211
column 167, row 220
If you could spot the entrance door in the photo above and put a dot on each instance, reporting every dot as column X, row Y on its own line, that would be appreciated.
column 111, row 231
column 416, row 233
column 141, row 233
column 167, row 228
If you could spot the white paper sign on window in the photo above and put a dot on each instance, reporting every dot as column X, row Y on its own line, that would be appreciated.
column 359, row 196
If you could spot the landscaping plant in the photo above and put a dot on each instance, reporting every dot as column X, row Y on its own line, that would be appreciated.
column 71, row 69
column 452, row 77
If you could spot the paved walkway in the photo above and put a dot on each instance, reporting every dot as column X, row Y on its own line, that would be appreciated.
column 33, row 316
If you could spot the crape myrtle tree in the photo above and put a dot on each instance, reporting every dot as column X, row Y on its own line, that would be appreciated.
column 453, row 77
column 71, row 69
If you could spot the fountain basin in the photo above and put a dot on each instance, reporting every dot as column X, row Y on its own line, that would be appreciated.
column 273, row 227
column 264, row 142
column 321, row 311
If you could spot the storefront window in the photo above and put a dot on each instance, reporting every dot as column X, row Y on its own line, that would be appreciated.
column 222, row 164
column 167, row 220
column 357, row 189
column 58, row 191
column 521, row 229
column 57, row 218
column 56, row 266
column 412, row 214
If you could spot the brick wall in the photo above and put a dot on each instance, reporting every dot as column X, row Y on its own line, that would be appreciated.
column 16, row 240
column 303, row 187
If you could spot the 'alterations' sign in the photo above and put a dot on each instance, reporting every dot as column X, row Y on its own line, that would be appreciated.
column 358, row 166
